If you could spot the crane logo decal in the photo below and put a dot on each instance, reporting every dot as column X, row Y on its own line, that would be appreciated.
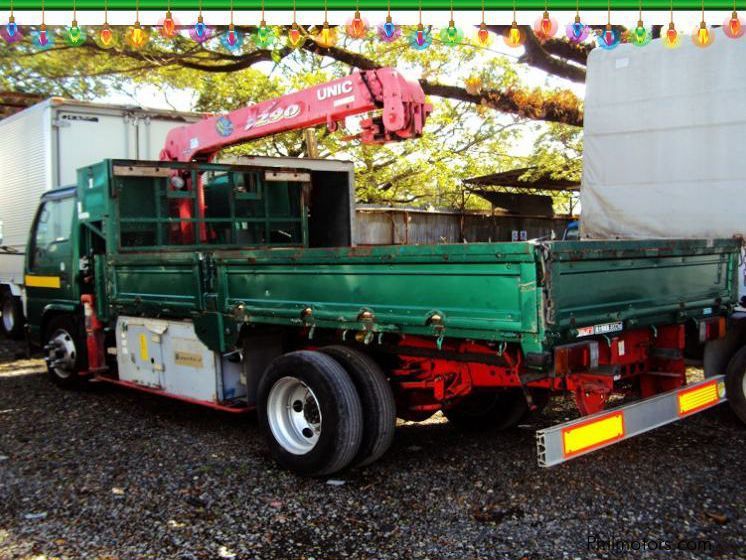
column 272, row 115
column 224, row 126
column 334, row 90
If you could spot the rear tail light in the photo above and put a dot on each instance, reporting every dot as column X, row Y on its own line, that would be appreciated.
column 580, row 356
column 710, row 329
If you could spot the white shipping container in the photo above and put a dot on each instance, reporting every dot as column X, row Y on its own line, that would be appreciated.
column 43, row 146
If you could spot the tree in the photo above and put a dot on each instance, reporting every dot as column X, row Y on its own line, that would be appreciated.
column 478, row 114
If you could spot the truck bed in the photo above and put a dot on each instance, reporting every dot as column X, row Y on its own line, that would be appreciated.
column 535, row 293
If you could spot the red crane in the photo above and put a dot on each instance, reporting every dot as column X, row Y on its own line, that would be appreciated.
column 401, row 104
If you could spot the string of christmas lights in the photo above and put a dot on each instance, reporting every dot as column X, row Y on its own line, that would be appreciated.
column 420, row 37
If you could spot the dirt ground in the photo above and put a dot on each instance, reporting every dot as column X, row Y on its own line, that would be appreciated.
column 112, row 474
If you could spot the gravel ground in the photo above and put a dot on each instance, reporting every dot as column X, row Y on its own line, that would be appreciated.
column 112, row 474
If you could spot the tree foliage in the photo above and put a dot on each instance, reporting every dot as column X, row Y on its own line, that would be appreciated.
column 482, row 106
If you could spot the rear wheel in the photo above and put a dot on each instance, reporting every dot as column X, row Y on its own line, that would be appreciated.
column 65, row 352
column 735, row 384
column 488, row 411
column 376, row 399
column 310, row 413
column 11, row 310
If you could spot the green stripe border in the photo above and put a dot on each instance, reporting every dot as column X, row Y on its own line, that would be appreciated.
column 347, row 5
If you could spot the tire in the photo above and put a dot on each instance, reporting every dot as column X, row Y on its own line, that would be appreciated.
column 494, row 411
column 376, row 399
column 65, row 352
column 735, row 384
column 11, row 309
column 310, row 413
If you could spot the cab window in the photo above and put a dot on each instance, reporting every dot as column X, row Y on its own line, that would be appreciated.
column 52, row 234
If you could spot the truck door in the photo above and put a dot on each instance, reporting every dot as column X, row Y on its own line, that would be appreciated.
column 50, row 274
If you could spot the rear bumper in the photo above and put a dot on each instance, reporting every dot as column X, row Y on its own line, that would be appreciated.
column 566, row 441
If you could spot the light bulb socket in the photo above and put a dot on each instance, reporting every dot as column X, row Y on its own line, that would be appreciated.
column 389, row 20
column 577, row 19
column 640, row 24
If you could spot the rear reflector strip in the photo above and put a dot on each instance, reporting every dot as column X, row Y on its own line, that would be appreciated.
column 584, row 437
column 563, row 442
column 698, row 398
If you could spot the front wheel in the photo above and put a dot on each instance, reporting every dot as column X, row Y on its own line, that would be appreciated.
column 735, row 384
column 310, row 413
column 65, row 352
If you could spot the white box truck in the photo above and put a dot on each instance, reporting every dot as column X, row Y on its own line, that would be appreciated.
column 42, row 147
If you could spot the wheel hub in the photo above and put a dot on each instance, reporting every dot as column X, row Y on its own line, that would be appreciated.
column 294, row 415
column 61, row 354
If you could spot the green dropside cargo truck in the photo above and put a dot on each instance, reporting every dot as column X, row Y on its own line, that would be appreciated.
column 239, row 287
column 253, row 297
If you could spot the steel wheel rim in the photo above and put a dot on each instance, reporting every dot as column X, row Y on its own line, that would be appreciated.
column 62, row 354
column 294, row 415
column 8, row 320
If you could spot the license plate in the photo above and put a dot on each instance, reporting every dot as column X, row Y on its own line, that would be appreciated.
column 603, row 328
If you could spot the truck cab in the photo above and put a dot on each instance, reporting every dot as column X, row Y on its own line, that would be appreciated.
column 52, row 276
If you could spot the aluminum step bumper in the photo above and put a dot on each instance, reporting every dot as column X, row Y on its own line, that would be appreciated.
column 566, row 441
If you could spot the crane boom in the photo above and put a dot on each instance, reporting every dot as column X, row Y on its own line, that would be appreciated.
column 402, row 103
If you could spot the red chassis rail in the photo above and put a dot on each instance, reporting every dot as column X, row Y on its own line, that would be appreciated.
column 641, row 362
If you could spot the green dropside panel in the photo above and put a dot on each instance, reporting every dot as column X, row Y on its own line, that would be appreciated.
column 534, row 294
column 480, row 290
column 639, row 282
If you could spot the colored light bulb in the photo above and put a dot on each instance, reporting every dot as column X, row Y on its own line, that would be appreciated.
column 545, row 27
column 577, row 32
column 733, row 27
column 514, row 36
column 702, row 36
column 106, row 37
column 388, row 32
column 232, row 40
column 41, row 39
column 200, row 32
column 264, row 36
column 295, row 37
column 640, row 36
column 168, row 26
column 136, row 37
column 11, row 33
column 484, row 39
column 671, row 39
column 357, row 27
column 327, row 37
column 75, row 36
column 608, row 39
column 421, row 38
column 451, row 35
